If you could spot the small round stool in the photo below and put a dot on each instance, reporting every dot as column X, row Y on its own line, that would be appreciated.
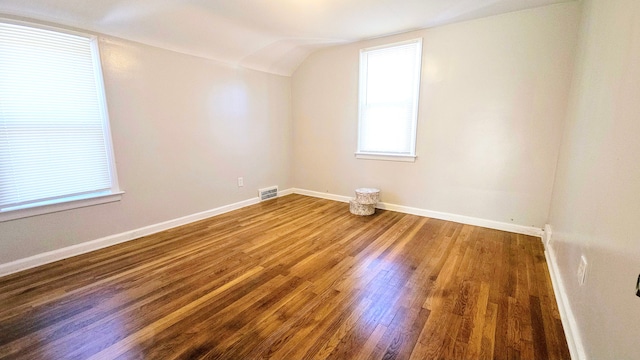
column 365, row 201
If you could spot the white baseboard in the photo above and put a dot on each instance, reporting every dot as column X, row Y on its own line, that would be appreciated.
column 285, row 192
column 491, row 224
column 574, row 341
column 85, row 247
column 321, row 195
column 546, row 238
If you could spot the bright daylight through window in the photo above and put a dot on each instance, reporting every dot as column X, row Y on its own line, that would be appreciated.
column 388, row 101
column 55, row 146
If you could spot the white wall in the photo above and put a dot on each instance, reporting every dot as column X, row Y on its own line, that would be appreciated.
column 493, row 98
column 596, row 199
column 184, row 129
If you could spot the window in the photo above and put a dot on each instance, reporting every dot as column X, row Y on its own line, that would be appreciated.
column 55, row 145
column 388, row 106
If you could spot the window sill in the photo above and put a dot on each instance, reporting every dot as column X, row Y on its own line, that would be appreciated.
column 68, row 203
column 386, row 157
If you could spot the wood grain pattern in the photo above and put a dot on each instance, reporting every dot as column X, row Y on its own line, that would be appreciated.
column 291, row 278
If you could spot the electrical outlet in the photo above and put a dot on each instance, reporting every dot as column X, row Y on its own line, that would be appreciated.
column 240, row 182
column 582, row 270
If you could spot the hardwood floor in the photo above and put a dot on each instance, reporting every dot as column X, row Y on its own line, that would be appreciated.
column 292, row 278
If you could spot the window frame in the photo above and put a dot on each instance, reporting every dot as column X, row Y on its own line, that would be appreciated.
column 97, row 197
column 362, row 83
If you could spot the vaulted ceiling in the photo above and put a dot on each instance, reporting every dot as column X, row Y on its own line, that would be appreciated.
column 269, row 35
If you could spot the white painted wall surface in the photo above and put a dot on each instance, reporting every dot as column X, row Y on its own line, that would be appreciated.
column 493, row 98
column 596, row 199
column 184, row 129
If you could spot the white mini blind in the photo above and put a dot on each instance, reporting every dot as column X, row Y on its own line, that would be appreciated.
column 53, row 125
column 389, row 87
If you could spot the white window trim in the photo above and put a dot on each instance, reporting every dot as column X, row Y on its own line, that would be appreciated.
column 67, row 203
column 386, row 157
column 76, row 201
column 410, row 157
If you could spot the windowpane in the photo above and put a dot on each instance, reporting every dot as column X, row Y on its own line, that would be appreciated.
column 53, row 128
column 390, row 75
column 389, row 83
column 384, row 133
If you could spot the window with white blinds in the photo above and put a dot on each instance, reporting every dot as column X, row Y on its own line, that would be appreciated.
column 55, row 145
column 388, row 101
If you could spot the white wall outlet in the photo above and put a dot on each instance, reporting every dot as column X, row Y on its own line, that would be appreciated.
column 582, row 270
column 240, row 182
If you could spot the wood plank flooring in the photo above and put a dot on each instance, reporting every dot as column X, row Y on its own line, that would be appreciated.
column 291, row 278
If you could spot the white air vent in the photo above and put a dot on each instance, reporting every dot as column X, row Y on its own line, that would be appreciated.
column 268, row 193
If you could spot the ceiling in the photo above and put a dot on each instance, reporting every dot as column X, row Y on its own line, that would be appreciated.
column 268, row 35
